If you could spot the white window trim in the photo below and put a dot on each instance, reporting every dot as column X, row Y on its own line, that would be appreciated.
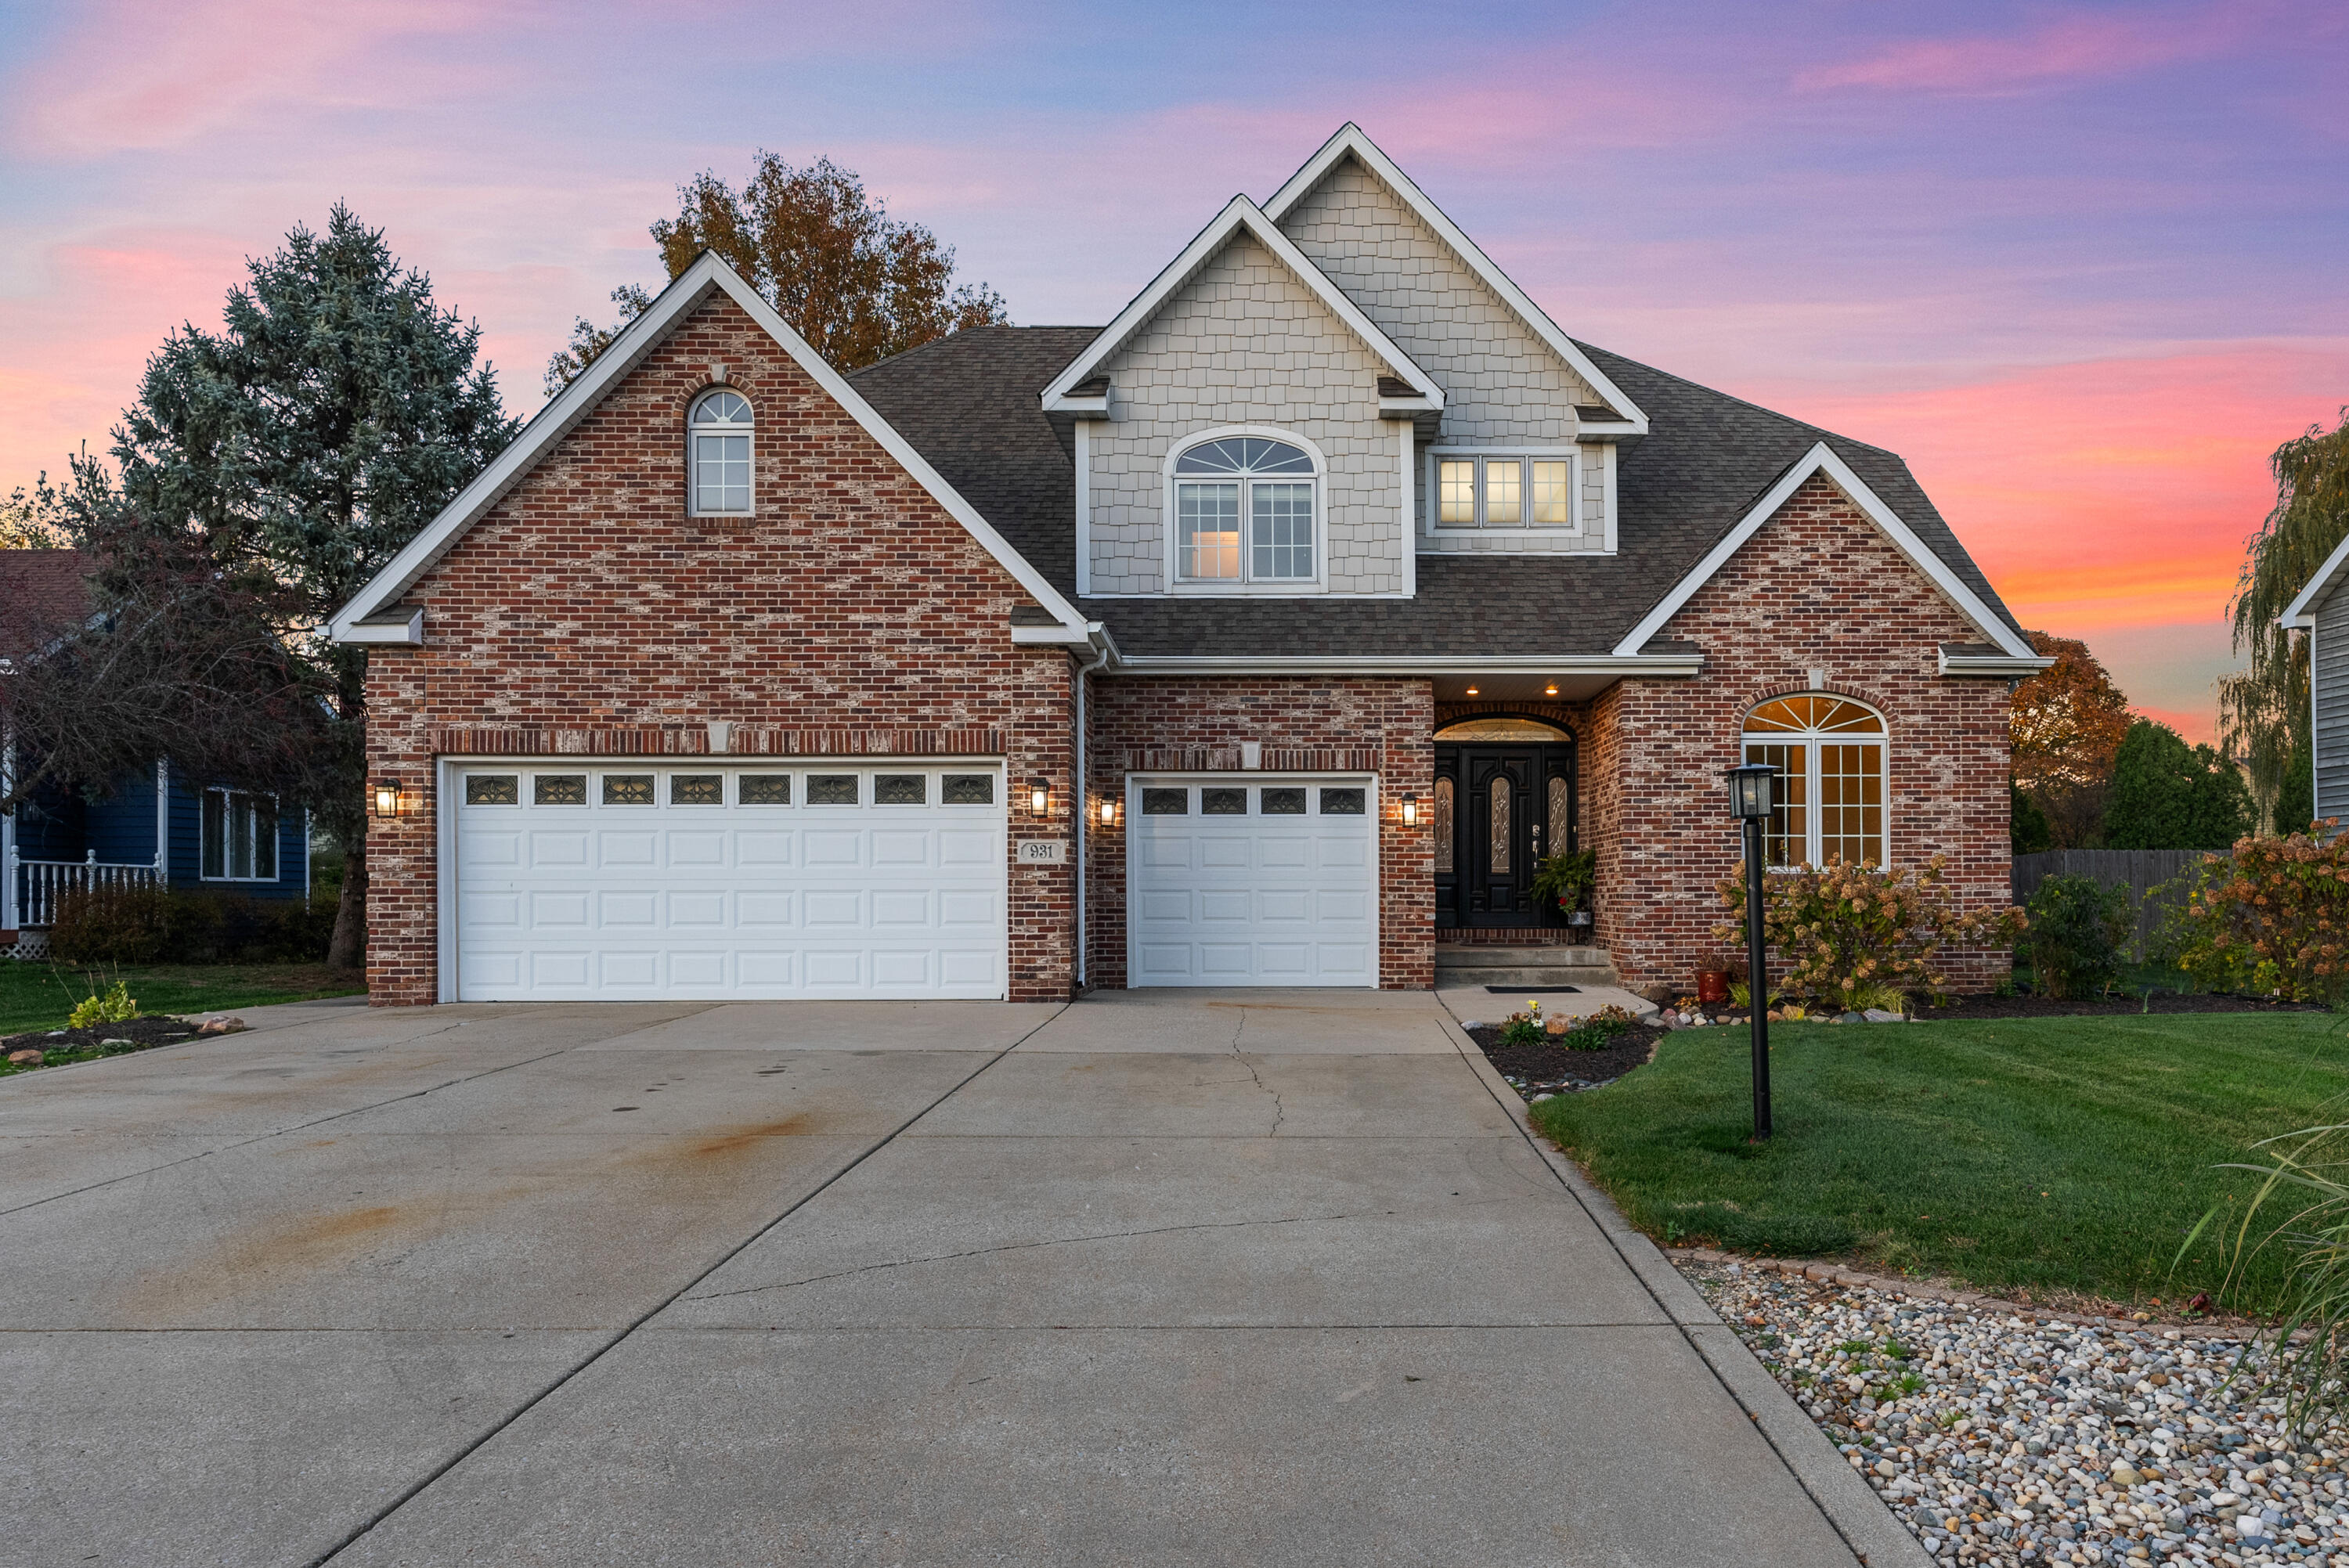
column 694, row 431
column 1573, row 456
column 1243, row 586
column 277, row 849
column 1810, row 741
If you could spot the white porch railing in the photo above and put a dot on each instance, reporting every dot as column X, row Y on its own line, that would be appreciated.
column 39, row 885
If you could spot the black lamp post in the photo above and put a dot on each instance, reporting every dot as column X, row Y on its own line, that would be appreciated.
column 1752, row 789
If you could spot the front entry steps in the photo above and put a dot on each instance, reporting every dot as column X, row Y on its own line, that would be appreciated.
column 1460, row 965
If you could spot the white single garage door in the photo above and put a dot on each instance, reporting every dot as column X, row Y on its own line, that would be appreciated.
column 631, row 881
column 1252, row 881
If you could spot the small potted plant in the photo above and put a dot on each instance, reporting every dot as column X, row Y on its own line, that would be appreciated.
column 1568, row 877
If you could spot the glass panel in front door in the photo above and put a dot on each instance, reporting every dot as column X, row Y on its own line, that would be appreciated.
column 1497, row 823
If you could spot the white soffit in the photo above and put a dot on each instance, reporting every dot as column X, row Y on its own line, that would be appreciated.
column 1239, row 213
column 1821, row 458
column 1350, row 142
column 551, row 424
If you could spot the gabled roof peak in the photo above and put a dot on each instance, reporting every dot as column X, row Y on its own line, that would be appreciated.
column 1350, row 142
column 1239, row 214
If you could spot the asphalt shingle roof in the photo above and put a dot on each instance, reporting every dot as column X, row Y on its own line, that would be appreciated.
column 968, row 403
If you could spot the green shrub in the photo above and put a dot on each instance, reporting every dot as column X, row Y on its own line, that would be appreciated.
column 165, row 925
column 114, row 1007
column 2078, row 927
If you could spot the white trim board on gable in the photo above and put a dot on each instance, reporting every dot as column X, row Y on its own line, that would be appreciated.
column 1821, row 460
column 367, row 618
column 1239, row 213
column 2302, row 611
column 1351, row 142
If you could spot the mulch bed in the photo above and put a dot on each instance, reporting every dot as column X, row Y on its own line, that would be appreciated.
column 62, row 1046
column 2117, row 1004
column 1551, row 1069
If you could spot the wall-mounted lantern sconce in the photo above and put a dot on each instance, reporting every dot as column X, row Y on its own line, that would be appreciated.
column 1108, row 813
column 387, row 798
column 1039, row 797
column 1410, row 810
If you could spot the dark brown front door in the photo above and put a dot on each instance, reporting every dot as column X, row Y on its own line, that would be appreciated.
column 1508, row 806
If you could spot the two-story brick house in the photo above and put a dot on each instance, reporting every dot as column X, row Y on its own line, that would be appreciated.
column 1270, row 635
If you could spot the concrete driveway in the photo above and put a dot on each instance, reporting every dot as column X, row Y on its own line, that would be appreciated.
column 1158, row 1277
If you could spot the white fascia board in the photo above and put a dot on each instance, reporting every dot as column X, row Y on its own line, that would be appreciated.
column 1991, row 665
column 1239, row 213
column 2302, row 611
column 1425, row 664
column 552, row 422
column 1351, row 141
column 1821, row 458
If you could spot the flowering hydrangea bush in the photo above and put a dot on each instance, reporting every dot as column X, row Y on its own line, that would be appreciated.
column 2271, row 915
column 1848, row 934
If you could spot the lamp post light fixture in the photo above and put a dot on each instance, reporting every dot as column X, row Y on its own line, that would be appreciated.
column 1752, row 789
column 1039, row 797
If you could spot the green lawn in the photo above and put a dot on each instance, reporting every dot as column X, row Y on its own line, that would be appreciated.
column 38, row 995
column 2068, row 1155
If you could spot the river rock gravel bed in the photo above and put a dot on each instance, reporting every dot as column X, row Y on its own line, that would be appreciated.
column 1998, row 1436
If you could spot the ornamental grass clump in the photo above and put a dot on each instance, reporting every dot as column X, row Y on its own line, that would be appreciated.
column 2270, row 916
column 2301, row 1208
column 1850, row 935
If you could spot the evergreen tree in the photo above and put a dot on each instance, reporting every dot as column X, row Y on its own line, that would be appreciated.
column 2027, row 829
column 295, row 452
column 2166, row 795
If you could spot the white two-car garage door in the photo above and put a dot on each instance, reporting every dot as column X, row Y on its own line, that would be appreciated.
column 631, row 881
column 1254, row 880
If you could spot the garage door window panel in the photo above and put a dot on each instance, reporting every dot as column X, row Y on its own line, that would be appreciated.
column 559, row 789
column 765, row 790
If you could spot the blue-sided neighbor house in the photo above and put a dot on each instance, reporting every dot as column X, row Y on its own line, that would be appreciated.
column 154, row 826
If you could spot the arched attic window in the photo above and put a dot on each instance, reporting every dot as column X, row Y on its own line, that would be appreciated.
column 720, row 443
column 1268, row 484
column 1830, row 752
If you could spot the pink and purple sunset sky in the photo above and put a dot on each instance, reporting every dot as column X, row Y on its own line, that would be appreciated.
column 2084, row 265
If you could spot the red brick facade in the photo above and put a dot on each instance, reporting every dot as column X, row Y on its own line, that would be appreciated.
column 588, row 614
column 1818, row 588
column 1331, row 725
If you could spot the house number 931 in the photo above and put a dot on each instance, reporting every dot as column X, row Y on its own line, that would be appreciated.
column 1044, row 852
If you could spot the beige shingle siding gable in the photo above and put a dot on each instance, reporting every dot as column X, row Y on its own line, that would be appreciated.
column 1503, row 386
column 1246, row 341
column 2331, row 684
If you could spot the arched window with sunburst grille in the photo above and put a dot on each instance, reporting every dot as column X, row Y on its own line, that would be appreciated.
column 1830, row 754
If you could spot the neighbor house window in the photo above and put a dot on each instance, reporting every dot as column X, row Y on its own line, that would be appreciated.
column 1830, row 754
column 721, row 454
column 1505, row 492
column 1244, row 512
column 240, row 837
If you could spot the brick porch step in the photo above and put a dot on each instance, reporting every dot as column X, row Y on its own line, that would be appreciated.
column 1460, row 965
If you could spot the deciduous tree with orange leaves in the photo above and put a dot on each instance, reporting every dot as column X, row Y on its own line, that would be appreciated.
column 2067, row 723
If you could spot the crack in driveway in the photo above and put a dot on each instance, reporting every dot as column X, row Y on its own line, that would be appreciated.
column 1017, row 1247
column 1279, row 1113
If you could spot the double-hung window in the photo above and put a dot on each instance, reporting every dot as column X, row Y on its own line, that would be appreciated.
column 1503, row 492
column 1244, row 510
column 240, row 836
column 719, row 438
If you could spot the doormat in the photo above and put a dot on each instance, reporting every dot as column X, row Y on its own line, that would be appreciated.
column 1535, row 990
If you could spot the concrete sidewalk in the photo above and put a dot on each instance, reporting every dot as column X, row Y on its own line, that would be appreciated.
column 1164, row 1277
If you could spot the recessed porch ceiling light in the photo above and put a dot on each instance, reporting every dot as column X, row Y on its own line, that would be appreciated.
column 1550, row 690
column 1471, row 691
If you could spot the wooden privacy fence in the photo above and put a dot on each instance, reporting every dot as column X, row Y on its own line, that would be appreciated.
column 2143, row 869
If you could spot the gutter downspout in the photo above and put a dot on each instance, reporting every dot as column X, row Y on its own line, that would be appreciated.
column 1080, row 789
